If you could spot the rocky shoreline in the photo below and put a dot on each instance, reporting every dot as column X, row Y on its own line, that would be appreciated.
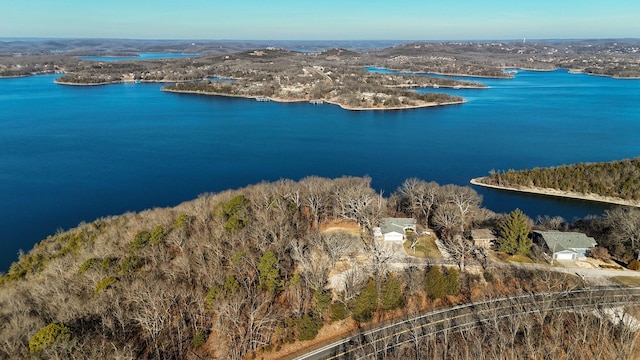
column 558, row 193
column 345, row 107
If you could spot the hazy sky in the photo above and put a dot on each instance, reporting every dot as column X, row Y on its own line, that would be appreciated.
column 327, row 19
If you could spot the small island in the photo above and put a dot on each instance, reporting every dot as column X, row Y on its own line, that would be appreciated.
column 616, row 182
column 275, row 74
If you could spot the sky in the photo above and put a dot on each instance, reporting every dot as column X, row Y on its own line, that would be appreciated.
column 320, row 20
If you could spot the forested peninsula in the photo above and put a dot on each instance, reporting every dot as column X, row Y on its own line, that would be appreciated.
column 268, row 270
column 616, row 182
column 333, row 75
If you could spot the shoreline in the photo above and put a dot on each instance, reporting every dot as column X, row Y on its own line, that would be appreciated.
column 431, row 86
column 415, row 73
column 558, row 193
column 345, row 107
column 87, row 84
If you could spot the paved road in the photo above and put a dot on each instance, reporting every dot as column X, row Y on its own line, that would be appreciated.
column 469, row 316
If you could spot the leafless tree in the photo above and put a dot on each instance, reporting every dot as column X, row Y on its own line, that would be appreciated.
column 460, row 249
column 357, row 201
column 465, row 199
column 315, row 197
column 625, row 222
column 552, row 223
column 447, row 219
column 419, row 197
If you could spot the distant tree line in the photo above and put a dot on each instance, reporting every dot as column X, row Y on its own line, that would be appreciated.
column 620, row 179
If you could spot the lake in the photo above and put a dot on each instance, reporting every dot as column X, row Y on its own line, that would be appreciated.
column 72, row 154
column 140, row 56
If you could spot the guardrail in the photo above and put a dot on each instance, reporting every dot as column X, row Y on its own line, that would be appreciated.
column 470, row 316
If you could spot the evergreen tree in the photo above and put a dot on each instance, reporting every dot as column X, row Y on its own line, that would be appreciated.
column 513, row 235
column 392, row 297
column 452, row 286
column 269, row 269
column 366, row 303
column 435, row 283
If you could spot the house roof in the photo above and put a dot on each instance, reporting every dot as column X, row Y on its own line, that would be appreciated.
column 482, row 234
column 396, row 224
column 558, row 241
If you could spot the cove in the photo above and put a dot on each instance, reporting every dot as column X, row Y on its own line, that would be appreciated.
column 72, row 154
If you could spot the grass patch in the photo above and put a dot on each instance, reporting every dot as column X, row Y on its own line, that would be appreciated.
column 425, row 248
column 627, row 280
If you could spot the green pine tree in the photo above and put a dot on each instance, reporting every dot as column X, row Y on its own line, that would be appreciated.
column 435, row 283
column 513, row 237
column 452, row 286
column 392, row 297
column 269, row 269
column 366, row 303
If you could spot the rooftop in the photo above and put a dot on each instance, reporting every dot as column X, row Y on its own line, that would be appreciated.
column 558, row 241
column 397, row 224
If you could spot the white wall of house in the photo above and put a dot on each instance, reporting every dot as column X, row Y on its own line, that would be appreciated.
column 565, row 255
column 394, row 236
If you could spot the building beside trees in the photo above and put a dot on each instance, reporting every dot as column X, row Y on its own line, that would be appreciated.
column 565, row 245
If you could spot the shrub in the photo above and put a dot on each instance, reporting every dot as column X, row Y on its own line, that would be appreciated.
column 158, row 234
column 488, row 277
column 130, row 264
column 107, row 263
column 308, row 326
column 48, row 336
column 105, row 283
column 88, row 264
column 199, row 339
column 634, row 265
column 181, row 221
column 599, row 253
column 323, row 300
column 212, row 295
column 140, row 240
column 339, row 311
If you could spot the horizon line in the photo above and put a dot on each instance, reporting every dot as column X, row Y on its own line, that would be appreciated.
column 33, row 38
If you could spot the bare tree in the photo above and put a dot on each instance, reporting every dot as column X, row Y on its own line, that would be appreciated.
column 465, row 199
column 625, row 225
column 315, row 197
column 460, row 249
column 447, row 220
column 357, row 201
column 419, row 197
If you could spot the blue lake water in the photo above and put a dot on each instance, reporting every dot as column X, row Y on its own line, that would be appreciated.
column 141, row 56
column 72, row 154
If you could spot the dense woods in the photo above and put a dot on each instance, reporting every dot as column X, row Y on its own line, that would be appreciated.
column 619, row 179
column 247, row 272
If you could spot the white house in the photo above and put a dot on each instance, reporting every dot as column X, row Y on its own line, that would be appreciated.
column 565, row 245
column 394, row 229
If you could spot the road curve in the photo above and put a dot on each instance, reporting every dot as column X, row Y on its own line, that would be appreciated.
column 469, row 316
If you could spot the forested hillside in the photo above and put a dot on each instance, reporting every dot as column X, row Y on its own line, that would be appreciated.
column 245, row 273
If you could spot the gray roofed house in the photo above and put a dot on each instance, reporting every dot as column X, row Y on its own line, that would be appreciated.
column 393, row 229
column 565, row 245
